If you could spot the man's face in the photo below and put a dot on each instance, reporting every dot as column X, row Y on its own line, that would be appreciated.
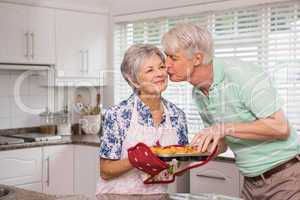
column 179, row 66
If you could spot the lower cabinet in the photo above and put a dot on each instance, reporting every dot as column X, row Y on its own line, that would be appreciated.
column 180, row 185
column 22, row 168
column 218, row 177
column 86, row 170
column 58, row 171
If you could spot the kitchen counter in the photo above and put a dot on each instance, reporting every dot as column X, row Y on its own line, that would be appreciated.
column 22, row 194
column 90, row 140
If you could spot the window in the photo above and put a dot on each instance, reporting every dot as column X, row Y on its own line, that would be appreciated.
column 268, row 35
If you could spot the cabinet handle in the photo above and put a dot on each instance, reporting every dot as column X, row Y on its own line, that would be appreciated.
column 81, row 61
column 26, row 45
column 32, row 45
column 212, row 177
column 48, row 171
column 87, row 61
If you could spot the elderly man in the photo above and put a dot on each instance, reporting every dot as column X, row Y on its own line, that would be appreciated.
column 239, row 108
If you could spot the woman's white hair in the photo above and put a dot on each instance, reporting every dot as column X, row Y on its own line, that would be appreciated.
column 134, row 58
column 189, row 37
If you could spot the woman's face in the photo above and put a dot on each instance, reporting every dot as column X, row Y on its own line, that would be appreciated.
column 152, row 77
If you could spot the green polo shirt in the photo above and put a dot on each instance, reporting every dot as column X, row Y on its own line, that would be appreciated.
column 241, row 92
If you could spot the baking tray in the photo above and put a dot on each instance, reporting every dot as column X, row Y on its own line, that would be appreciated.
column 183, row 156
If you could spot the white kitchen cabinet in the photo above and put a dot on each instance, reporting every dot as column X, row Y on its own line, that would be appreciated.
column 86, row 169
column 58, row 169
column 216, row 177
column 22, row 167
column 42, row 32
column 81, row 43
column 27, row 34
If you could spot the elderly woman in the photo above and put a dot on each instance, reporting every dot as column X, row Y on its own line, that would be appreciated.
column 144, row 117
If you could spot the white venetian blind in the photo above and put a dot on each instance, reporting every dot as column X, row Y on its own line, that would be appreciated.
column 268, row 35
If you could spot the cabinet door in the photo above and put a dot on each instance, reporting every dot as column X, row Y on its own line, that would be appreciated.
column 42, row 35
column 86, row 164
column 70, row 34
column 95, row 44
column 80, row 44
column 14, row 38
column 216, row 177
column 58, row 169
column 23, row 166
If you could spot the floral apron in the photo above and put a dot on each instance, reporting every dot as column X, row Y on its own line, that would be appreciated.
column 132, row 181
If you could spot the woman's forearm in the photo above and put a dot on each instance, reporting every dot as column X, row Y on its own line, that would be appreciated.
column 110, row 169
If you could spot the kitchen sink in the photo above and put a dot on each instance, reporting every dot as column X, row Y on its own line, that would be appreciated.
column 7, row 193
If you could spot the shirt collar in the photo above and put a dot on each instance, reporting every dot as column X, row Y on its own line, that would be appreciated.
column 218, row 70
column 218, row 76
column 144, row 114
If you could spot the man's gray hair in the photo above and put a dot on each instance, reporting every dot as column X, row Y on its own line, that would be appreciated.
column 134, row 58
column 190, row 37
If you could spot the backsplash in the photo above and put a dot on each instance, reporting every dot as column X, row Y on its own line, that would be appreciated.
column 20, row 108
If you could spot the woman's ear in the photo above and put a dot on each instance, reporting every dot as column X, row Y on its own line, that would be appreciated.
column 198, row 59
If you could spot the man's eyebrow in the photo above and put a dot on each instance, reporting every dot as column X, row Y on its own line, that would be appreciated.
column 170, row 55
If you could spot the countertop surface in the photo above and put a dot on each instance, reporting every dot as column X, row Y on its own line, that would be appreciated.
column 22, row 194
column 90, row 140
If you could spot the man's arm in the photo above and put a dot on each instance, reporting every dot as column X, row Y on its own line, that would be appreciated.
column 273, row 127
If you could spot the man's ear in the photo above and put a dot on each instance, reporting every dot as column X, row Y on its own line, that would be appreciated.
column 198, row 58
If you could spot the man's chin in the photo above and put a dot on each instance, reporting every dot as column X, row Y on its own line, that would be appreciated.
column 176, row 79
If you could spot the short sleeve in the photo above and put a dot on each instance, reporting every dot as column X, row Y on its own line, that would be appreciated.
column 182, row 129
column 260, row 96
column 110, row 147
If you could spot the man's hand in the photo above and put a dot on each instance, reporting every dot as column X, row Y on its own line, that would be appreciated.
column 210, row 135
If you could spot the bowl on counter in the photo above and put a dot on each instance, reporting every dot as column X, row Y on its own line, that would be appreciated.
column 7, row 193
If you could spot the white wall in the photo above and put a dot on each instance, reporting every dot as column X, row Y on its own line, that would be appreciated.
column 31, row 94
column 98, row 6
column 143, row 9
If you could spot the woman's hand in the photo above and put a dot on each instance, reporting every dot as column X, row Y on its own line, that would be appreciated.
column 110, row 169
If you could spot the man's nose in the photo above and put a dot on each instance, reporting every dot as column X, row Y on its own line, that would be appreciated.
column 169, row 62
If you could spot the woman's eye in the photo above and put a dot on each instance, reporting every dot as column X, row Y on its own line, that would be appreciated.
column 149, row 70
column 163, row 66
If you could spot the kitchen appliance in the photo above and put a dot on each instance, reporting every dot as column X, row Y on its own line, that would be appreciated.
column 37, row 137
column 7, row 140
column 59, row 119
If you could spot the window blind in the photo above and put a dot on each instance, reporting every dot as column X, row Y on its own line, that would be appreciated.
column 268, row 35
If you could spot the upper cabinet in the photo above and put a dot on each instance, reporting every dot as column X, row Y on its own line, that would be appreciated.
column 81, row 44
column 27, row 34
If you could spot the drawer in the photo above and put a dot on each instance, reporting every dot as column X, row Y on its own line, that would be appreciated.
column 216, row 177
column 21, row 166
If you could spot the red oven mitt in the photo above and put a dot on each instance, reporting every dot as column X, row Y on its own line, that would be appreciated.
column 142, row 158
